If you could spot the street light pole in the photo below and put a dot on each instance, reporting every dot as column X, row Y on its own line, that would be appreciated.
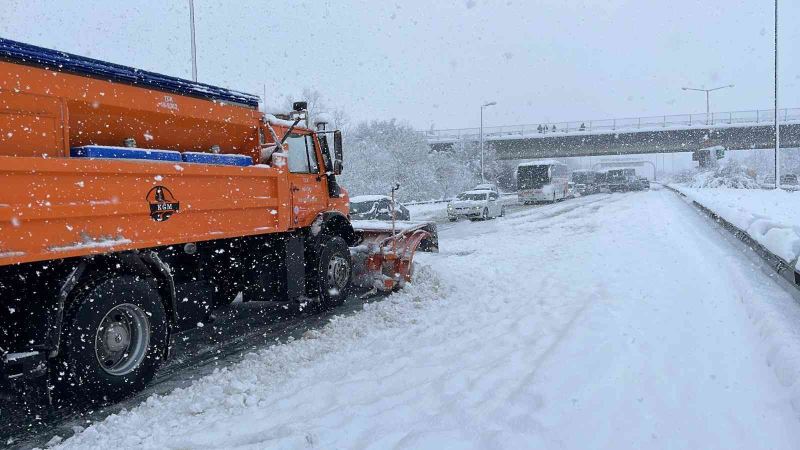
column 194, row 47
column 483, row 177
column 708, row 101
column 777, row 128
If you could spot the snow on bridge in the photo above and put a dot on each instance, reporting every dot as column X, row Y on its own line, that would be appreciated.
column 654, row 134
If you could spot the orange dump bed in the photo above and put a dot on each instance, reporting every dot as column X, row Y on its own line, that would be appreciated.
column 45, row 113
column 58, row 208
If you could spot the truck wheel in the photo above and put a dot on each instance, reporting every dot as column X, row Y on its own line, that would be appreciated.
column 114, row 339
column 334, row 271
column 485, row 214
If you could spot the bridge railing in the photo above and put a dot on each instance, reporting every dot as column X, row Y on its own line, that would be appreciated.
column 716, row 119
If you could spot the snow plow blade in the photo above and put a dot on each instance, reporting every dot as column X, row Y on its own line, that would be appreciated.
column 383, row 259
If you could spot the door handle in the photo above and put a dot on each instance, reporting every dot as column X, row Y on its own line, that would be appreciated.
column 295, row 188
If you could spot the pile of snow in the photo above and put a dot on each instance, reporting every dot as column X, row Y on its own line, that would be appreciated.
column 770, row 217
column 731, row 175
column 436, row 212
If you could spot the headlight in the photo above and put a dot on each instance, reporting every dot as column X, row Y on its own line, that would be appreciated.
column 449, row 206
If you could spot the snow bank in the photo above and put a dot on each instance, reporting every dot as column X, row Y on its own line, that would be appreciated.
column 770, row 217
column 428, row 211
column 731, row 175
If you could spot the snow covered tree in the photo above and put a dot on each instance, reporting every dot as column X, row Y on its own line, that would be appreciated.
column 383, row 152
column 317, row 104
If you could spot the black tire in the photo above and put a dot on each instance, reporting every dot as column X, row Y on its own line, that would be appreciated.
column 87, row 365
column 332, row 269
column 453, row 219
column 502, row 211
column 485, row 214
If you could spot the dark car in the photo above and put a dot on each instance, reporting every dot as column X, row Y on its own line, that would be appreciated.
column 376, row 207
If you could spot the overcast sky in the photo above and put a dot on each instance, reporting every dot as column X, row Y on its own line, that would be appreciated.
column 433, row 62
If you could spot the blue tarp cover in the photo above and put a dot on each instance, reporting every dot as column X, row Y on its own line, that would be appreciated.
column 65, row 62
column 217, row 158
column 102, row 151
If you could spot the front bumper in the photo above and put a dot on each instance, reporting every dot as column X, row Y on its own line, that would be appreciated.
column 468, row 214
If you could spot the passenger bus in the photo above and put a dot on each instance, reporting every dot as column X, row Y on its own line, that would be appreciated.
column 542, row 181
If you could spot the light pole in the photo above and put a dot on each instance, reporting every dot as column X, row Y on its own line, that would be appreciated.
column 777, row 128
column 707, row 91
column 194, row 47
column 485, row 105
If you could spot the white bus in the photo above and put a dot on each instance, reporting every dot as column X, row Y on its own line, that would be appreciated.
column 542, row 181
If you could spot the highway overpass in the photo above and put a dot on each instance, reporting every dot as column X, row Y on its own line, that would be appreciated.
column 656, row 134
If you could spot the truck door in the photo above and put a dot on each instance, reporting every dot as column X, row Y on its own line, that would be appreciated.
column 307, row 185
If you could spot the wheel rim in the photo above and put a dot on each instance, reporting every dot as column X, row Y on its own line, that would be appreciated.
column 122, row 339
column 338, row 272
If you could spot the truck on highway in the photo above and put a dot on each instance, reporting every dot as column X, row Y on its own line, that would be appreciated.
column 586, row 182
column 134, row 203
column 622, row 180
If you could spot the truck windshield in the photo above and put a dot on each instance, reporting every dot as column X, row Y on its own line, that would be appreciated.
column 302, row 156
column 532, row 177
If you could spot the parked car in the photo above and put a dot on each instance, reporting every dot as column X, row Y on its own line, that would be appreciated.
column 486, row 187
column 376, row 207
column 475, row 205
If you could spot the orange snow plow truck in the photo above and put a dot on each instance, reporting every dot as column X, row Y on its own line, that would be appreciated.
column 132, row 204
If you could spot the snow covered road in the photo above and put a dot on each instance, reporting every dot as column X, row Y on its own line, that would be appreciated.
column 610, row 321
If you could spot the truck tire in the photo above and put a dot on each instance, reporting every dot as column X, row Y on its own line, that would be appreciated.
column 332, row 271
column 114, row 339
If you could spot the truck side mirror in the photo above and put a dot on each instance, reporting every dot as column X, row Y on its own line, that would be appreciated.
column 337, row 153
